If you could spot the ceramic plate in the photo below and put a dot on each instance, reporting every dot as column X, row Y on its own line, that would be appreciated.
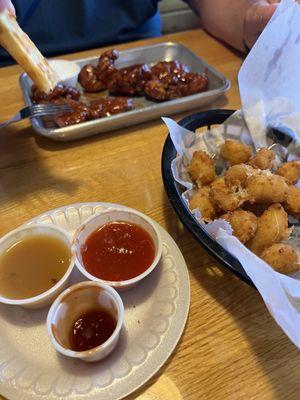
column 155, row 315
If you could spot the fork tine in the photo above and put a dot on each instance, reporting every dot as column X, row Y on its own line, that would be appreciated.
column 38, row 110
column 48, row 112
column 42, row 107
column 49, row 109
column 57, row 109
column 47, row 105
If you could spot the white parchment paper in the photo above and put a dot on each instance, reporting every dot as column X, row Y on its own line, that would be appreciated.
column 269, row 79
column 269, row 83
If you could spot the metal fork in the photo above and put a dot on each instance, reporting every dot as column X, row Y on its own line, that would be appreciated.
column 37, row 110
column 286, row 138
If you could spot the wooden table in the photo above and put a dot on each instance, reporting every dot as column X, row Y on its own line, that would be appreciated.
column 231, row 348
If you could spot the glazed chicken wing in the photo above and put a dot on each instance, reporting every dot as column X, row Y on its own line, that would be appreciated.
column 79, row 113
column 172, row 79
column 129, row 81
column 59, row 92
column 95, row 78
column 96, row 109
column 176, row 86
column 164, row 69
column 109, row 106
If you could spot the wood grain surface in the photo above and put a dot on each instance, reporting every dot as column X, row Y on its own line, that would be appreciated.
column 231, row 348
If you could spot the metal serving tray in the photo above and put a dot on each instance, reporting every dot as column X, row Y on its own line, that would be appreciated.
column 145, row 109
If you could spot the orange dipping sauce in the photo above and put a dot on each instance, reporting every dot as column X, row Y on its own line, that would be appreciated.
column 118, row 251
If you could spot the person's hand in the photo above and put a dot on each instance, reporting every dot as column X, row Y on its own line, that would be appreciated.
column 7, row 5
column 256, row 18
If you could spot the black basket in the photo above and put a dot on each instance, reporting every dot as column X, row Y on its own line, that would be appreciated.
column 174, row 192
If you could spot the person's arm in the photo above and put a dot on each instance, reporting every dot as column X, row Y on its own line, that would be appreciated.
column 7, row 5
column 237, row 22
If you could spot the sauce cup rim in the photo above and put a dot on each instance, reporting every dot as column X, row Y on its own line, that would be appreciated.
column 122, row 283
column 62, row 280
column 95, row 350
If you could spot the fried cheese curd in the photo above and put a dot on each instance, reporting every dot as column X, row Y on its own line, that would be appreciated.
column 266, row 187
column 235, row 152
column 202, row 168
column 263, row 159
column 282, row 257
column 272, row 227
column 226, row 198
column 237, row 175
column 243, row 224
column 292, row 201
column 290, row 171
column 202, row 200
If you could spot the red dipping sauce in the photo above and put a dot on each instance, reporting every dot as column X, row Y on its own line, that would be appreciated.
column 118, row 251
column 91, row 330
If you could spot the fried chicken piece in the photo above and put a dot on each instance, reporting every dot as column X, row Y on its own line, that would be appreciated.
column 226, row 198
column 94, row 78
column 106, row 65
column 79, row 113
column 237, row 175
column 282, row 257
column 202, row 200
column 243, row 223
column 272, row 228
column 109, row 106
column 266, row 188
column 97, row 109
column 263, row 159
column 164, row 69
column 202, row 168
column 172, row 79
column 290, row 171
column 235, row 152
column 129, row 81
column 292, row 201
column 59, row 92
column 174, row 86
column 89, row 79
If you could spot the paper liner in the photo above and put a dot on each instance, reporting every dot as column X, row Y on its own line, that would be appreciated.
column 269, row 78
column 280, row 293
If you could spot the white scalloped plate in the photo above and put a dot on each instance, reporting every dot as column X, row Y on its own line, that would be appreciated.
column 155, row 315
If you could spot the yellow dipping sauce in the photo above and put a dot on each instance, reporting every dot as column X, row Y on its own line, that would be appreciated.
column 33, row 265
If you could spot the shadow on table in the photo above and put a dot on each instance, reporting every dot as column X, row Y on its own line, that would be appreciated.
column 275, row 354
column 160, row 372
column 54, row 145
column 22, row 169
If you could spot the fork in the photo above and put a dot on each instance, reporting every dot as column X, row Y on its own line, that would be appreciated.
column 286, row 138
column 37, row 110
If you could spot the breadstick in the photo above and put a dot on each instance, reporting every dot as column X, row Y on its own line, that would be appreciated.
column 26, row 54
